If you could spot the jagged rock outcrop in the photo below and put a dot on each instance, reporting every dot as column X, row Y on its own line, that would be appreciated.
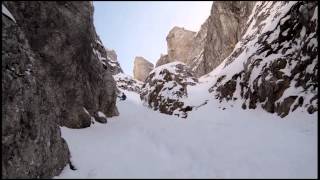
column 166, row 86
column 275, row 64
column 195, row 61
column 184, row 46
column 141, row 68
column 51, row 76
column 205, row 50
column 68, row 58
column 164, row 59
column 180, row 43
column 126, row 82
column 108, row 57
column 225, row 28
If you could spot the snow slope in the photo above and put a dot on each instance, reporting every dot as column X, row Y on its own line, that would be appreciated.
column 210, row 143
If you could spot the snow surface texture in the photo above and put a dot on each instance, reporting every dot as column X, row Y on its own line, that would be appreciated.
column 210, row 143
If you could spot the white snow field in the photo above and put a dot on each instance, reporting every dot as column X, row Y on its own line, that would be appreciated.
column 210, row 143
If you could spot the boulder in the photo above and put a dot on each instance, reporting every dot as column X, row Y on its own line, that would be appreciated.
column 166, row 87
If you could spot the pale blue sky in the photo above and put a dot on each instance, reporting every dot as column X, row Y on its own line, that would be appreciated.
column 139, row 28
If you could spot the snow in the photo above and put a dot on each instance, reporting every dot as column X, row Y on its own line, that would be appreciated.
column 216, row 140
column 171, row 67
column 85, row 110
column 97, row 41
column 210, row 143
column 100, row 114
column 7, row 13
column 315, row 14
column 97, row 53
column 285, row 33
column 285, row 19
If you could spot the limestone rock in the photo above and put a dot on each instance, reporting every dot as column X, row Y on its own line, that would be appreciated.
column 164, row 59
column 225, row 28
column 180, row 44
column 141, row 68
column 196, row 59
column 205, row 50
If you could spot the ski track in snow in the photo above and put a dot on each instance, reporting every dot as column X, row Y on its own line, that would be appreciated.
column 210, row 143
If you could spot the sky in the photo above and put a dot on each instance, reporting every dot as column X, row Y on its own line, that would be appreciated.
column 140, row 28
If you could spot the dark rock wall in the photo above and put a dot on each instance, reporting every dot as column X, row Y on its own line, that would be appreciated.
column 62, row 36
column 50, row 74
column 32, row 146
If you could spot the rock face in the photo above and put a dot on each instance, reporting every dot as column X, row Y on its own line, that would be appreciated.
column 164, row 59
column 184, row 46
column 52, row 75
column 32, row 146
column 196, row 60
column 205, row 50
column 166, row 86
column 275, row 64
column 225, row 28
column 64, row 54
column 108, row 57
column 141, row 68
column 180, row 44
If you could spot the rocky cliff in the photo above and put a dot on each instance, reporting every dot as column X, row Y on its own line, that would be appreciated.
column 225, row 28
column 141, row 68
column 180, row 44
column 275, row 64
column 108, row 57
column 205, row 50
column 52, row 75
column 259, row 53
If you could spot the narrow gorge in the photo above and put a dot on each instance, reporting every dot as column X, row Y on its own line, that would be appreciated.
column 247, row 81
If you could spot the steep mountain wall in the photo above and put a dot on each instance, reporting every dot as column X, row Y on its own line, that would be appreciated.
column 225, row 28
column 206, row 49
column 52, row 75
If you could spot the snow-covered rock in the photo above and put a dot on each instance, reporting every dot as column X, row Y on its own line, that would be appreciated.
column 166, row 86
column 107, row 57
column 128, row 83
column 275, row 64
